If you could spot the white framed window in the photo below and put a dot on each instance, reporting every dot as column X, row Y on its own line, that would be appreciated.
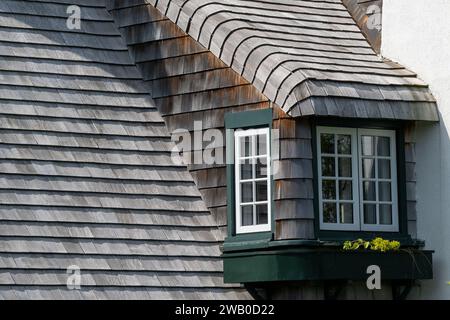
column 338, row 172
column 357, row 179
column 252, row 180
column 378, row 180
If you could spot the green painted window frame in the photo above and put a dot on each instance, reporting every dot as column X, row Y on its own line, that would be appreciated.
column 244, row 120
column 399, row 127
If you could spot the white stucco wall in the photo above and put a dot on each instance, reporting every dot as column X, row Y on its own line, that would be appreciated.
column 416, row 33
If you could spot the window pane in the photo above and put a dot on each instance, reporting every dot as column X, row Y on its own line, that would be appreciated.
column 344, row 144
column 369, row 191
column 383, row 146
column 261, row 144
column 246, row 192
column 345, row 190
column 261, row 168
column 328, row 169
column 384, row 191
column 246, row 169
column 385, row 214
column 246, row 146
column 368, row 145
column 370, row 214
column 329, row 213
column 384, row 169
column 329, row 189
column 327, row 143
column 247, row 215
column 368, row 168
column 345, row 167
column 261, row 191
column 262, row 214
column 346, row 213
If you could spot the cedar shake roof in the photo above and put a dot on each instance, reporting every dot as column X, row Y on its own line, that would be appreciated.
column 308, row 56
column 86, row 172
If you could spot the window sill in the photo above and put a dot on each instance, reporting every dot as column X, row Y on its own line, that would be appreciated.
column 247, row 241
column 340, row 237
column 264, row 241
column 323, row 263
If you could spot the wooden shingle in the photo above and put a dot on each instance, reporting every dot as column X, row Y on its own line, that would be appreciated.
column 279, row 47
column 87, row 176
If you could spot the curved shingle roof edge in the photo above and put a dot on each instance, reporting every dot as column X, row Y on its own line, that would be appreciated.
column 307, row 56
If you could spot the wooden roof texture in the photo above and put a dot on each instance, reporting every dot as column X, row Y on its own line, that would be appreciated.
column 308, row 56
column 85, row 164
column 86, row 175
column 368, row 16
column 190, row 84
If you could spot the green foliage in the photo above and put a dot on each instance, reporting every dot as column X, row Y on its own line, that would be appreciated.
column 377, row 244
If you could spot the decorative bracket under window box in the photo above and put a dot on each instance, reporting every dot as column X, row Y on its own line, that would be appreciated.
column 325, row 264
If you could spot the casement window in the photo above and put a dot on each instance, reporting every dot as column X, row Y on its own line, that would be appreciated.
column 252, row 180
column 357, row 179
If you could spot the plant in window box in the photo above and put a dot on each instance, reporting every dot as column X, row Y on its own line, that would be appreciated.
column 381, row 245
column 377, row 244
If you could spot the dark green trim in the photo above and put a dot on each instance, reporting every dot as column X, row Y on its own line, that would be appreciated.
column 358, row 123
column 244, row 120
column 262, row 241
column 330, row 235
column 325, row 264
column 231, row 225
column 249, row 241
column 401, row 182
column 248, row 119
column 398, row 126
column 315, row 180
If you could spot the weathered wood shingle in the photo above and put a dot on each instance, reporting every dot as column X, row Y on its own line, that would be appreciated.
column 200, row 75
column 86, row 173
column 367, row 15
column 85, row 166
column 189, row 83
column 306, row 56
